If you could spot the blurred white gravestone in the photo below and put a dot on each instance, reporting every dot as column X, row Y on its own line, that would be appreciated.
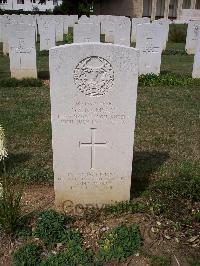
column 69, row 21
column 122, row 33
column 149, row 43
column 59, row 22
column 86, row 32
column 1, row 28
column 108, row 28
column 196, row 65
column 93, row 108
column 191, row 39
column 47, row 35
column 135, row 22
column 7, row 21
column 164, row 30
column 22, row 51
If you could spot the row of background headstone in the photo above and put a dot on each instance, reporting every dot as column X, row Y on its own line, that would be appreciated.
column 19, row 32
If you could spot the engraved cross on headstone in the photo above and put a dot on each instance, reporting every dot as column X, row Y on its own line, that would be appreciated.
column 92, row 144
column 47, row 41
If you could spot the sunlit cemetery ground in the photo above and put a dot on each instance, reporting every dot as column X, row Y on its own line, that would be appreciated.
column 166, row 148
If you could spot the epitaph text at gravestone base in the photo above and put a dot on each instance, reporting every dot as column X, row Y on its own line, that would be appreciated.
column 93, row 108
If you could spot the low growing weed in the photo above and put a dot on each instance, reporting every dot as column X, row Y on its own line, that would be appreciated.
column 51, row 228
column 27, row 255
column 119, row 243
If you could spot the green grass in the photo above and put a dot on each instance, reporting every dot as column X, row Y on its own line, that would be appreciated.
column 166, row 125
column 160, row 261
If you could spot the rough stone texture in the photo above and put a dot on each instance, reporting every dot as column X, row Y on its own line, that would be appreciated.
column 196, row 65
column 47, row 35
column 149, row 43
column 191, row 39
column 135, row 22
column 93, row 108
column 22, row 51
column 88, row 32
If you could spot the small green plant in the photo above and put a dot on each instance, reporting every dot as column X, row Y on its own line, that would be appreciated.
column 160, row 261
column 51, row 229
column 27, row 255
column 10, row 198
column 73, row 255
column 12, row 82
column 125, row 207
column 196, row 217
column 153, row 80
column 68, row 38
column 119, row 243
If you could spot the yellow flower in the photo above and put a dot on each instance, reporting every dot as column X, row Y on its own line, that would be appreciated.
column 3, row 150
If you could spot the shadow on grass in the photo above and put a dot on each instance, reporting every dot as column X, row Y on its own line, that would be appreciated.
column 145, row 163
column 43, row 75
column 15, row 159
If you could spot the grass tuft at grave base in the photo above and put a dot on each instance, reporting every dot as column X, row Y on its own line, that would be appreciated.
column 167, row 79
column 56, row 242
column 23, row 83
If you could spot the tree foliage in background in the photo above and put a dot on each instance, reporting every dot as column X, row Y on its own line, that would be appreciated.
column 71, row 7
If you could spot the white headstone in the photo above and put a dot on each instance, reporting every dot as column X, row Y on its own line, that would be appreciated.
column 7, row 21
column 88, row 32
column 93, row 108
column 135, row 22
column 122, row 33
column 108, row 28
column 84, row 19
column 22, row 51
column 149, row 43
column 196, row 65
column 1, row 28
column 47, row 35
column 59, row 28
column 191, row 39
column 164, row 30
column 69, row 21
